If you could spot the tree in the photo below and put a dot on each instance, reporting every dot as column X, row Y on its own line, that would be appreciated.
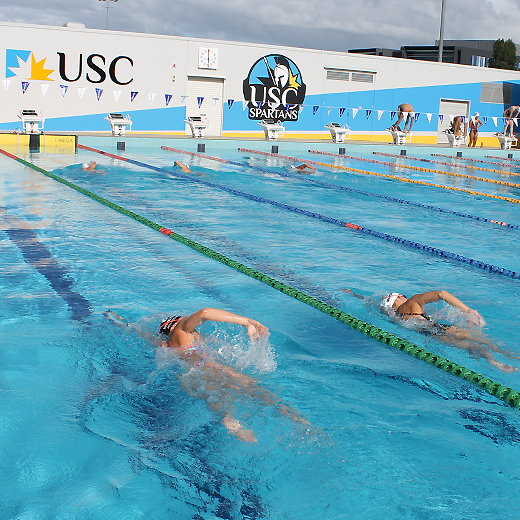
column 504, row 55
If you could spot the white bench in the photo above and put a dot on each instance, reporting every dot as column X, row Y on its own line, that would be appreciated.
column 338, row 132
column 198, row 125
column 119, row 123
column 31, row 121
column 272, row 129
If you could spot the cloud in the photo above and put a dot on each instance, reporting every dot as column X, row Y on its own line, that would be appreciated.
column 321, row 24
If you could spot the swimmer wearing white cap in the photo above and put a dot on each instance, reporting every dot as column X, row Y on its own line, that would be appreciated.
column 474, row 124
column 399, row 306
column 89, row 166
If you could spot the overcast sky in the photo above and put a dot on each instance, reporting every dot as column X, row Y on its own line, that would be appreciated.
column 321, row 24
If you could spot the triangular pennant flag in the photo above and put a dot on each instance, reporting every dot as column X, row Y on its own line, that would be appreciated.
column 117, row 95
column 99, row 91
column 6, row 83
column 341, row 111
column 515, row 119
column 315, row 109
column 441, row 118
column 259, row 104
column 328, row 112
column 200, row 99
column 151, row 97
column 495, row 120
column 133, row 95
column 368, row 111
column 463, row 118
column 64, row 89
column 45, row 87
column 503, row 120
column 287, row 107
column 485, row 119
column 167, row 98
column 429, row 117
column 215, row 99
column 379, row 114
column 354, row 112
column 392, row 114
column 25, row 86
column 81, row 91
column 244, row 105
column 416, row 116
column 230, row 102
column 183, row 99
column 301, row 108
column 451, row 118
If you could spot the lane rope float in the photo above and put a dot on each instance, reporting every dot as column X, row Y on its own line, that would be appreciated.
column 339, row 187
column 434, row 251
column 384, row 175
column 506, row 394
column 419, row 168
column 503, row 158
column 475, row 160
column 467, row 166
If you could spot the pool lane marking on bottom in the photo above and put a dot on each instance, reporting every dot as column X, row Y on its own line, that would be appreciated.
column 338, row 186
column 40, row 258
column 510, row 396
column 384, row 175
column 385, row 236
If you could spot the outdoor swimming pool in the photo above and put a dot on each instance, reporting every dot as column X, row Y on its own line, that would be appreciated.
column 95, row 421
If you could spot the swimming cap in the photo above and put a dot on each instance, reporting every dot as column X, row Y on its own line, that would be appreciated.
column 85, row 165
column 476, row 114
column 168, row 324
column 388, row 301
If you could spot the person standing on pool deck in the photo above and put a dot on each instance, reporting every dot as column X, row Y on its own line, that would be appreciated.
column 184, row 338
column 405, row 309
column 509, row 115
column 474, row 124
column 402, row 110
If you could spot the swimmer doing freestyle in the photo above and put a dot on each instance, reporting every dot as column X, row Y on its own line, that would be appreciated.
column 405, row 309
column 212, row 378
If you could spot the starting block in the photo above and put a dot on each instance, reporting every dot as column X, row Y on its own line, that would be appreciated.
column 455, row 141
column 119, row 123
column 198, row 125
column 400, row 137
column 338, row 132
column 506, row 143
column 272, row 128
column 31, row 121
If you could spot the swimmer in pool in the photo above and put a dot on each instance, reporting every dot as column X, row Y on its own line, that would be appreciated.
column 183, row 167
column 89, row 166
column 213, row 378
column 405, row 309
column 304, row 168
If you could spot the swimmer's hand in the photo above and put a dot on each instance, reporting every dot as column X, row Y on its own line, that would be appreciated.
column 255, row 330
column 475, row 318
column 348, row 291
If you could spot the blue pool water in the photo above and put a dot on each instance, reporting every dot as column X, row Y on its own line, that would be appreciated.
column 95, row 421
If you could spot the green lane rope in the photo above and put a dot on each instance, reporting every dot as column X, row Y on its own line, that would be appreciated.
column 510, row 396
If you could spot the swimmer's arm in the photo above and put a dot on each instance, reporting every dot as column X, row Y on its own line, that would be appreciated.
column 349, row 291
column 254, row 328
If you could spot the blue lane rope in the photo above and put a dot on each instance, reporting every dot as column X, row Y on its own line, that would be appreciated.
column 390, row 238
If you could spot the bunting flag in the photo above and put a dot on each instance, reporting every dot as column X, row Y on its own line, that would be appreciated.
column 230, row 103
column 379, row 114
column 167, row 98
column 328, row 112
column 341, row 111
column 259, row 104
column 64, row 89
column 45, row 87
column 151, row 98
column 200, row 99
column 81, row 91
column 354, row 112
column 503, row 120
column 25, row 86
column 117, row 95
column 6, row 83
column 99, row 91
column 495, row 120
column 183, row 99
column 244, row 105
column 416, row 116
column 215, row 99
column 441, row 118
column 429, row 117
column 451, row 118
column 315, row 108
column 515, row 119
column 368, row 111
column 287, row 106
column 392, row 114
column 485, row 120
column 463, row 118
column 133, row 95
column 301, row 108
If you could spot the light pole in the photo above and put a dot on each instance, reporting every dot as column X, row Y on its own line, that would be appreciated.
column 441, row 35
column 108, row 7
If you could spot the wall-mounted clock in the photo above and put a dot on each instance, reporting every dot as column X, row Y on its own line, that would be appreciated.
column 208, row 58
